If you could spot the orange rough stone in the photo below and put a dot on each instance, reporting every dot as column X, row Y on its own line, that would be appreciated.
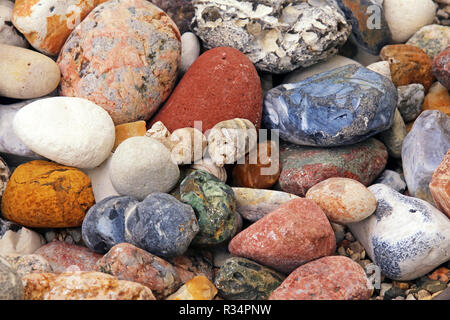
column 43, row 194
column 198, row 288
column 438, row 98
column 128, row 130
column 440, row 185
column 409, row 64
column 82, row 286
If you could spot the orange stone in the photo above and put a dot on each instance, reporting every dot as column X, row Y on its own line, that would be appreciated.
column 441, row 274
column 438, row 98
column 440, row 185
column 198, row 288
column 262, row 175
column 128, row 130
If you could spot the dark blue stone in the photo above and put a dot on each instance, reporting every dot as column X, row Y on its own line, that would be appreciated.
column 343, row 106
column 161, row 225
column 104, row 224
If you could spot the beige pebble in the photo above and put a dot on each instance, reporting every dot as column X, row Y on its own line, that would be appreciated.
column 24, row 241
column 188, row 145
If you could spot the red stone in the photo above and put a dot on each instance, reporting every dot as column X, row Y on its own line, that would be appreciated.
column 296, row 232
column 440, row 185
column 441, row 68
column 221, row 85
column 328, row 278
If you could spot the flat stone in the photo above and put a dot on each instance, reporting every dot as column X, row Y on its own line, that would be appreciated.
column 394, row 136
column 441, row 68
column 410, row 101
column 11, row 287
column 433, row 39
column 392, row 179
column 27, row 263
column 440, row 185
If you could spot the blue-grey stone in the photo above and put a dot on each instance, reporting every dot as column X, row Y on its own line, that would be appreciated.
column 410, row 101
column 423, row 150
column 340, row 107
column 392, row 179
column 161, row 225
column 104, row 224
column 406, row 237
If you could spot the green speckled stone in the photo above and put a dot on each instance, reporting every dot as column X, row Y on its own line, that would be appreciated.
column 214, row 204
column 243, row 279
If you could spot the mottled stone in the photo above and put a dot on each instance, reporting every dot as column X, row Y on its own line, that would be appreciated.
column 11, row 287
column 433, row 39
column 441, row 68
column 438, row 98
column 243, row 279
column 394, row 136
column 161, row 225
column 440, row 185
column 28, row 263
column 423, row 150
column 296, row 232
column 410, row 100
column 392, row 179
column 194, row 263
column 198, row 288
column 181, row 12
column 214, row 204
column 127, row 262
column 23, row 241
column 104, row 224
column 82, row 286
column 303, row 167
column 328, row 278
column 124, row 56
column 406, row 237
column 277, row 37
column 333, row 108
column 62, row 255
column 8, row 33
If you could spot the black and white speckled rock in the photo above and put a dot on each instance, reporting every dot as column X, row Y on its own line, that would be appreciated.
column 161, row 225
column 406, row 237
column 11, row 287
column 392, row 179
column 410, row 100
column 278, row 36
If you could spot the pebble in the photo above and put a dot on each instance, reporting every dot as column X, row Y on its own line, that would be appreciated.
column 198, row 288
column 27, row 263
column 442, row 274
column 104, row 224
column 243, row 279
column 296, row 232
column 141, row 166
column 161, row 225
column 381, row 67
column 336, row 116
column 328, row 278
column 62, row 255
column 394, row 136
column 208, row 165
column 423, row 295
column 82, row 286
column 392, row 179
column 23, row 241
column 102, row 186
column 128, row 69
column 423, row 150
column 26, row 74
column 222, row 84
column 410, row 101
column 394, row 293
column 190, row 51
column 406, row 17
column 11, row 287
column 8, row 33
column 181, row 12
column 42, row 194
column 433, row 39
column 438, row 98
column 214, row 204
column 70, row 131
column 406, row 237
column 128, row 130
column 304, row 167
column 343, row 200
column 194, row 263
column 127, row 262
column 188, row 145
column 440, row 185
column 4, row 176
column 69, row 235
column 441, row 68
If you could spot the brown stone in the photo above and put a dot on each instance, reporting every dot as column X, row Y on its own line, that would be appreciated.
column 440, row 185
column 198, row 288
column 438, row 98
column 128, row 130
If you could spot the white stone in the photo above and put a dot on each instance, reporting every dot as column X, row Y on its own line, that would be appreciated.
column 141, row 166
column 8, row 33
column 406, row 237
column 190, row 51
column 381, row 67
column 188, row 145
column 406, row 17
column 71, row 131
column 101, row 182
column 24, row 241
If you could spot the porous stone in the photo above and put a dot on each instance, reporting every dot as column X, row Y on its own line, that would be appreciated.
column 11, row 287
column 128, row 130
column 194, row 263
column 433, row 39
column 243, row 279
column 406, row 237
column 440, row 185
column 8, row 33
column 394, row 136
column 158, row 131
column 392, row 179
column 296, row 232
column 423, row 150
column 319, row 112
column 141, row 166
column 102, row 186
column 23, row 241
column 161, row 225
column 198, row 288
column 190, row 51
column 104, row 224
column 128, row 69
column 70, row 131
column 27, row 263
column 438, row 98
column 214, row 204
column 42, row 194
column 181, row 12
column 410, row 100
column 127, row 262
column 441, row 68
column 278, row 36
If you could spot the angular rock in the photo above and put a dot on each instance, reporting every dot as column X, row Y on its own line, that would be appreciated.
column 438, row 98
column 433, row 39
column 333, row 108
column 394, row 136
column 440, row 185
column 392, row 179
column 194, row 263
column 441, row 68
column 28, row 263
column 8, row 33
column 198, row 288
column 11, row 287
column 410, row 100
column 24, row 241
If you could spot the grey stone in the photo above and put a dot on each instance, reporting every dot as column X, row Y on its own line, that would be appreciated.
column 392, row 179
column 410, row 101
column 394, row 136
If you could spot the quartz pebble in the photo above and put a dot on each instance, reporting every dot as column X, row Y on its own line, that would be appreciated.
column 102, row 186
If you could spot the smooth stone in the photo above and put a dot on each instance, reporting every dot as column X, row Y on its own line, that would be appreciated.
column 253, row 204
column 406, row 237
column 410, row 101
column 181, row 12
column 333, row 108
column 392, row 179
column 27, row 263
column 441, row 68
column 406, row 17
column 70, row 131
column 440, row 185
column 141, row 166
column 194, row 263
column 343, row 200
column 56, row 196
column 198, row 288
column 8, row 33
column 101, row 181
column 381, row 67
column 104, row 224
column 190, row 51
column 328, row 65
column 423, row 150
column 11, row 287
column 4, row 176
column 127, row 262
column 128, row 130
column 214, row 204
column 438, row 98
column 82, row 286
column 23, row 241
column 394, row 136
column 433, row 39
column 304, row 167
column 243, row 279
column 129, row 69
column 328, row 278
column 161, row 225
column 296, row 232
column 26, row 74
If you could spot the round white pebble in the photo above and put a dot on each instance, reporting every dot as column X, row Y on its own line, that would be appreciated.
column 190, row 50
